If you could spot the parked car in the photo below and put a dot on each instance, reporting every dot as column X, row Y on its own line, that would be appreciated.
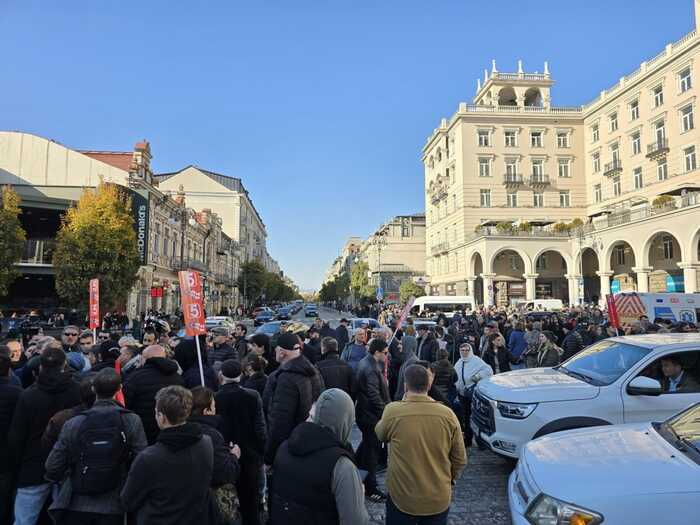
column 265, row 316
column 637, row 473
column 615, row 381
column 284, row 313
column 220, row 320
column 258, row 310
column 359, row 322
column 310, row 310
column 269, row 329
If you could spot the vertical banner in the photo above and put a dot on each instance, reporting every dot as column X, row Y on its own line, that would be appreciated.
column 612, row 311
column 140, row 209
column 94, row 291
column 192, row 298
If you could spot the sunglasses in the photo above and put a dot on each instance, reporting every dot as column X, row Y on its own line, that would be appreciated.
column 104, row 337
column 70, row 334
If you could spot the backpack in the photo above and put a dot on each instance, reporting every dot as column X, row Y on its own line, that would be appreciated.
column 102, row 452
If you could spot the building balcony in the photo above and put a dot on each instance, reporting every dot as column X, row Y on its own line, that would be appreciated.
column 613, row 168
column 539, row 180
column 189, row 263
column 438, row 195
column 657, row 149
column 38, row 252
column 511, row 180
column 441, row 247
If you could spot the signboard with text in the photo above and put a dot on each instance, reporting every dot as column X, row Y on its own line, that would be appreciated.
column 94, row 291
column 140, row 211
column 192, row 302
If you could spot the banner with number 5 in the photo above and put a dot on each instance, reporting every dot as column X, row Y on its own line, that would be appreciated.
column 192, row 302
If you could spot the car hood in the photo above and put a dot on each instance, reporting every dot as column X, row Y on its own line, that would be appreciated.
column 536, row 385
column 591, row 465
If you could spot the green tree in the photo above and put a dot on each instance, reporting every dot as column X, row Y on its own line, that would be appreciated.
column 11, row 238
column 251, row 281
column 408, row 289
column 97, row 240
column 359, row 281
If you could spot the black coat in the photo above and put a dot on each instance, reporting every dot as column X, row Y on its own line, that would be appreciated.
column 168, row 483
column 296, row 385
column 52, row 392
column 312, row 350
column 141, row 387
column 336, row 373
column 242, row 420
column 372, row 392
column 342, row 336
column 9, row 395
column 256, row 382
column 504, row 359
column 572, row 345
column 225, row 464
column 427, row 348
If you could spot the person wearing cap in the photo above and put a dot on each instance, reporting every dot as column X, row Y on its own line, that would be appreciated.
column 470, row 370
column 342, row 335
column 243, row 423
column 316, row 480
column 291, row 391
column 220, row 350
column 427, row 344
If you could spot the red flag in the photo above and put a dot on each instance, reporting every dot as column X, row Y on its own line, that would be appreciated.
column 612, row 311
column 192, row 299
column 94, row 291
column 119, row 396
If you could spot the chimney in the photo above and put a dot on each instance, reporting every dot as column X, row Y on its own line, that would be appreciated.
column 142, row 159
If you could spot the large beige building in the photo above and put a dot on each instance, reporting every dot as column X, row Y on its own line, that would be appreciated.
column 507, row 174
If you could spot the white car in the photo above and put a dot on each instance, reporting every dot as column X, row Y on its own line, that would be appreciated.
column 219, row 320
column 637, row 473
column 612, row 382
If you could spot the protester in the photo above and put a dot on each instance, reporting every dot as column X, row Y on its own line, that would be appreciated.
column 342, row 335
column 496, row 355
column 444, row 374
column 188, row 358
column 141, row 386
column 220, row 350
column 409, row 344
column 427, row 344
column 548, row 353
column 169, row 481
column 56, row 423
column 241, row 343
column 470, row 369
column 316, row 480
column 573, row 341
column 335, row 372
column 372, row 397
column 9, row 395
column 255, row 379
column 357, row 350
column 92, row 457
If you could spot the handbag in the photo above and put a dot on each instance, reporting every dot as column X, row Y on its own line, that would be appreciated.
column 226, row 497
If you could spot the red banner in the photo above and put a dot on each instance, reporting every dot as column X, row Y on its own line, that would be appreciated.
column 192, row 299
column 612, row 311
column 94, row 291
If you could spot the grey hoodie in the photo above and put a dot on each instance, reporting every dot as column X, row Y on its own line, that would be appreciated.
column 409, row 344
column 335, row 411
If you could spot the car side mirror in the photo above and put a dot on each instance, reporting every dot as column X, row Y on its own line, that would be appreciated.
column 644, row 386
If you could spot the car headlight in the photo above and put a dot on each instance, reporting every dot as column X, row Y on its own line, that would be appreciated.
column 547, row 510
column 515, row 410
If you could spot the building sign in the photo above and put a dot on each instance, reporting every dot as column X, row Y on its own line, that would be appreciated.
column 140, row 211
column 192, row 303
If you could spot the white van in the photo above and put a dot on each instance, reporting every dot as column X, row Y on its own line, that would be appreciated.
column 549, row 305
column 445, row 304
column 675, row 307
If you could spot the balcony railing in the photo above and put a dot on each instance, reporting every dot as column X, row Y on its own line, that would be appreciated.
column 440, row 247
column 189, row 263
column 511, row 179
column 539, row 180
column 658, row 148
column 438, row 195
column 38, row 252
column 612, row 168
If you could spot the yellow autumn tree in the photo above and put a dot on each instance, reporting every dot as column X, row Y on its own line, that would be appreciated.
column 97, row 240
column 11, row 238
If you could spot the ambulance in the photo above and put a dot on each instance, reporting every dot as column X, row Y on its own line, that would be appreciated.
column 675, row 307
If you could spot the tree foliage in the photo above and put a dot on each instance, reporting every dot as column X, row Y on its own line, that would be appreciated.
column 258, row 285
column 12, row 237
column 336, row 290
column 409, row 289
column 359, row 281
column 97, row 240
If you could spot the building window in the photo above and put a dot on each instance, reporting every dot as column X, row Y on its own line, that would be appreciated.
column 405, row 230
column 564, row 199
column 619, row 255
column 638, row 182
column 691, row 162
column 537, row 168
column 596, row 162
column 595, row 133
column 156, row 240
column 439, row 154
column 613, row 122
column 538, row 199
column 634, row 110
column 615, row 153
column 536, row 139
column 454, row 202
column 511, row 139
column 685, row 80
column 598, row 193
column 511, row 168
column 660, row 131
column 512, row 199
column 541, row 263
column 636, row 143
column 484, row 138
column 562, row 139
column 658, row 93
column 668, row 247
column 484, row 167
column 485, row 198
column 513, row 262
column 564, row 171
column 662, row 170
column 687, row 122
column 617, row 188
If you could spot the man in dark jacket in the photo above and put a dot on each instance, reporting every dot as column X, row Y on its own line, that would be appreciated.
column 73, row 505
column 241, row 344
column 342, row 335
column 53, row 390
column 243, row 423
column 294, row 388
column 169, row 482
column 141, row 387
column 220, row 350
column 312, row 346
column 335, row 372
column 572, row 343
column 427, row 344
column 9, row 395
column 372, row 397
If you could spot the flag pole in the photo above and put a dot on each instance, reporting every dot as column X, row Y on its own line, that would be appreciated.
column 199, row 359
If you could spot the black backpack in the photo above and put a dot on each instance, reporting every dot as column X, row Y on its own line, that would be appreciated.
column 101, row 452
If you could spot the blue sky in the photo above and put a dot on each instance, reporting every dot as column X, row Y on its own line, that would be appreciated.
column 321, row 107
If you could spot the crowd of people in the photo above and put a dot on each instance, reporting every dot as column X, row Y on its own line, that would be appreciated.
column 243, row 429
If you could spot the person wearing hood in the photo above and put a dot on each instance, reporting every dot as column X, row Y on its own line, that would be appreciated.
column 294, row 388
column 187, row 357
column 54, row 390
column 409, row 344
column 316, row 480
column 169, row 481
column 142, row 385
column 470, row 370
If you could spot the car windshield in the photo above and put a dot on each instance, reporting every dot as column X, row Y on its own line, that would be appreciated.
column 684, row 431
column 269, row 328
column 603, row 363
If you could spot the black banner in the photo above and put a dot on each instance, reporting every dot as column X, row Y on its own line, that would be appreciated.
column 140, row 211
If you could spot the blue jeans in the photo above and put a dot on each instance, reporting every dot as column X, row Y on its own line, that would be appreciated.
column 395, row 517
column 29, row 502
